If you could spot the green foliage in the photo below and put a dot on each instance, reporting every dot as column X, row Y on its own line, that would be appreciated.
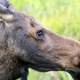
column 62, row 16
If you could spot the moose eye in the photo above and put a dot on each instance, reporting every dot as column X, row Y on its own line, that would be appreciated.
column 40, row 34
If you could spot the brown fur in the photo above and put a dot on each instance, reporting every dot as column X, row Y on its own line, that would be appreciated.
column 20, row 45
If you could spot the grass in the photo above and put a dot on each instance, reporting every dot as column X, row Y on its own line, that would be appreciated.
column 61, row 16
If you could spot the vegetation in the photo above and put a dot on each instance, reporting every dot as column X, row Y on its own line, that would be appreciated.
column 61, row 16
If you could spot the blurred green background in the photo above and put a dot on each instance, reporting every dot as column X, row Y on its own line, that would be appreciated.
column 60, row 16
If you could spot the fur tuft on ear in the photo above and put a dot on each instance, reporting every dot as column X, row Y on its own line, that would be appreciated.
column 5, row 12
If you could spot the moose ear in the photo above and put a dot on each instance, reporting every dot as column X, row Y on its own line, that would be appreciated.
column 4, row 9
column 5, row 13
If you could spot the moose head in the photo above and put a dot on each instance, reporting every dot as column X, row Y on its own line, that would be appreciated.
column 27, row 40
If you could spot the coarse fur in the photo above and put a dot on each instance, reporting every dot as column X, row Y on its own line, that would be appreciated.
column 25, row 42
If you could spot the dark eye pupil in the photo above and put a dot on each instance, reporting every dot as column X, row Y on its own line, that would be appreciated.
column 40, row 33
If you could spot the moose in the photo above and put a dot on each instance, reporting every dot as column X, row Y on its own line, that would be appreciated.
column 25, row 43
